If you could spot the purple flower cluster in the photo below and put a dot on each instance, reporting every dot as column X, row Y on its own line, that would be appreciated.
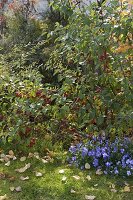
column 113, row 157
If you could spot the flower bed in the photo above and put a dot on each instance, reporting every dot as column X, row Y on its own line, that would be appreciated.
column 112, row 157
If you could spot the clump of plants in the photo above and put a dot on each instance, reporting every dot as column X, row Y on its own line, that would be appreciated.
column 85, row 86
column 110, row 156
column 93, row 54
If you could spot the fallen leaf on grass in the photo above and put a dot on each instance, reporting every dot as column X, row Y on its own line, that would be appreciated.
column 99, row 172
column 88, row 177
column 44, row 161
column 2, row 175
column 9, row 157
column 8, row 163
column 11, row 153
column 76, row 177
column 14, row 158
column 89, row 197
column 30, row 155
column 23, row 169
column 51, row 160
column 64, row 178
column 3, row 197
column 126, row 189
column 87, row 166
column 12, row 178
column 1, row 150
column 18, row 189
column 38, row 174
column 6, row 159
column 12, row 189
column 73, row 191
column 24, row 178
column 127, row 184
column 61, row 171
column 113, row 190
column 36, row 155
column 95, row 185
column 22, row 159
column 2, row 155
column 112, row 186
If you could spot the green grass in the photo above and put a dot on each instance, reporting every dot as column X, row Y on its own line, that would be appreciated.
column 51, row 187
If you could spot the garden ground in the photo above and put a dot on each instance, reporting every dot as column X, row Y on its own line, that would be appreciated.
column 57, row 181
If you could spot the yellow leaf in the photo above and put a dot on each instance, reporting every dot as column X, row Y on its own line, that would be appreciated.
column 130, row 2
column 123, row 48
column 125, row 12
column 3, row 197
column 126, row 189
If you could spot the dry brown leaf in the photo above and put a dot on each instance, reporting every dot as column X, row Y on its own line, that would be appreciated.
column 2, row 155
column 64, row 178
column 14, row 158
column 113, row 190
column 73, row 191
column 90, row 197
column 44, row 161
column 87, row 166
column 99, row 172
column 61, row 171
column 95, row 185
column 112, row 186
column 126, row 189
column 30, row 155
column 129, row 1
column 6, row 159
column 12, row 178
column 12, row 189
column 24, row 178
column 22, row 159
column 123, row 48
column 3, row 197
column 8, row 163
column 88, row 177
column 76, row 177
column 2, row 175
column 1, row 150
column 38, row 174
column 10, row 154
column 18, row 189
column 23, row 169
column 36, row 155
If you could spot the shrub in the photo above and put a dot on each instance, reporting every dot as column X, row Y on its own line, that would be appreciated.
column 97, row 46
column 87, row 76
column 15, row 92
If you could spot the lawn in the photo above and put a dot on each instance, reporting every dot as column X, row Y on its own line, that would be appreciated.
column 57, row 182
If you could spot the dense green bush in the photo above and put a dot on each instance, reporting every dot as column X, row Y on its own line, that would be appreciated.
column 98, row 47
column 85, row 85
